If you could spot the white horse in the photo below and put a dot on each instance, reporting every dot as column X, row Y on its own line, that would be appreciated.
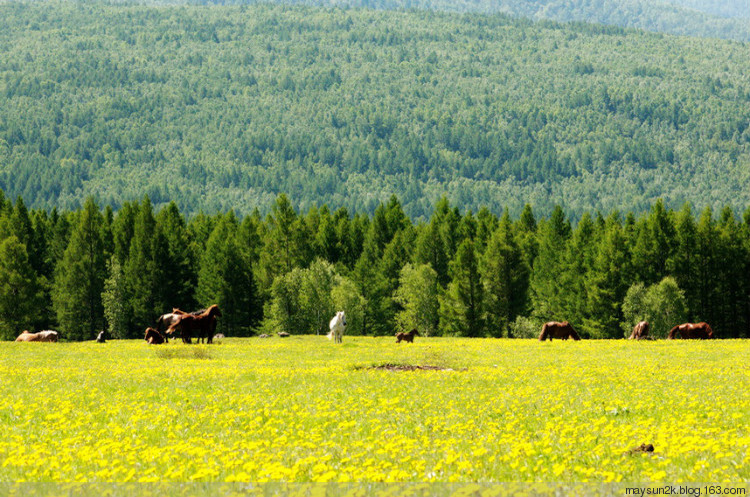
column 338, row 327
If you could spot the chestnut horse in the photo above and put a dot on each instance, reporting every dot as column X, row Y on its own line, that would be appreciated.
column 555, row 329
column 640, row 331
column 406, row 337
column 42, row 336
column 692, row 330
column 154, row 337
column 204, row 324
column 208, row 337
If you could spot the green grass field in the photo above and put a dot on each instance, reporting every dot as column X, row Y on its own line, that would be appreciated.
column 305, row 410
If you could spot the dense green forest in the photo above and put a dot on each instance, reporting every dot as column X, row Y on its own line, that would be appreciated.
column 225, row 107
column 457, row 274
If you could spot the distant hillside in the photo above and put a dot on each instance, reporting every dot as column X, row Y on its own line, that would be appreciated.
column 224, row 107
column 729, row 19
column 721, row 8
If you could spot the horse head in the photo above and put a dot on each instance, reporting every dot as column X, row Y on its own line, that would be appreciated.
column 709, row 331
column 213, row 311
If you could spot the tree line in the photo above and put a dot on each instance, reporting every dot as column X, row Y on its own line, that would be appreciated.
column 456, row 274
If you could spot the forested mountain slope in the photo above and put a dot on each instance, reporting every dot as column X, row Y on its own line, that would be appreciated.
column 223, row 107
column 728, row 19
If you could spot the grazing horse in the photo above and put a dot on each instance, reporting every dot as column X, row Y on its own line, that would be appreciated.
column 100, row 337
column 640, row 331
column 42, row 336
column 338, row 327
column 406, row 337
column 204, row 324
column 154, row 337
column 555, row 329
column 211, row 331
column 691, row 330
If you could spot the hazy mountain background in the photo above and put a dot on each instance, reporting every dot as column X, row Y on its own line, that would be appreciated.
column 728, row 19
column 225, row 107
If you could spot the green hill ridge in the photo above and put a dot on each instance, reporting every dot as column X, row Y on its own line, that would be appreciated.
column 224, row 107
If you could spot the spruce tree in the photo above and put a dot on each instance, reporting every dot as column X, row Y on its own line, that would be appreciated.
column 79, row 278
column 225, row 278
column 20, row 292
column 461, row 305
column 548, row 293
column 505, row 278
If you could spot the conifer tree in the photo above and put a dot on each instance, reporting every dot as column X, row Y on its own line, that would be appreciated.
column 505, row 278
column 20, row 292
column 79, row 278
column 430, row 249
column 225, row 278
column 605, row 283
column 180, row 278
column 461, row 305
column 683, row 264
column 547, row 291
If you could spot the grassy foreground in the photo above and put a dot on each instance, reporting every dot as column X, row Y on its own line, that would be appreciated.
column 304, row 409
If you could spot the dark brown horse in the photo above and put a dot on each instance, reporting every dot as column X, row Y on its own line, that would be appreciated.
column 692, row 330
column 204, row 324
column 555, row 329
column 406, row 337
column 154, row 337
column 640, row 331
column 42, row 336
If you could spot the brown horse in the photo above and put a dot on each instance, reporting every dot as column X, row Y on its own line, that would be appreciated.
column 640, row 331
column 406, row 337
column 154, row 337
column 692, row 330
column 210, row 336
column 42, row 336
column 204, row 324
column 555, row 329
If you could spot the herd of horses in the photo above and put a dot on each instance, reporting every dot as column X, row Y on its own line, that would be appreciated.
column 563, row 330
column 202, row 325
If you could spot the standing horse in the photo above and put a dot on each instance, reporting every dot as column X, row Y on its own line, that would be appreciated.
column 692, row 330
column 338, row 327
column 204, row 324
column 406, row 337
column 555, row 329
column 166, row 320
column 211, row 331
column 640, row 331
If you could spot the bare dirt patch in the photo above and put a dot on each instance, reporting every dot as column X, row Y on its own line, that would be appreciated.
column 411, row 367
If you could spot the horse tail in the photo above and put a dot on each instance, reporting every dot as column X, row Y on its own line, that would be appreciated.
column 545, row 332
column 673, row 332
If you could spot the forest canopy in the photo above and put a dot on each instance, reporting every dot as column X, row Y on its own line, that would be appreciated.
column 222, row 108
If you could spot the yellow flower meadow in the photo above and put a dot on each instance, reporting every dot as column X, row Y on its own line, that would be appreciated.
column 305, row 410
